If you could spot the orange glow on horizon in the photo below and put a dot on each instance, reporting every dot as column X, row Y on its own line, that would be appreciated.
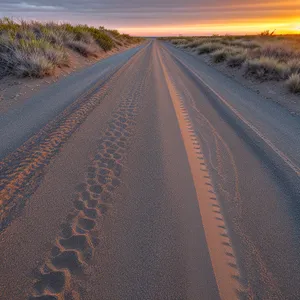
column 282, row 26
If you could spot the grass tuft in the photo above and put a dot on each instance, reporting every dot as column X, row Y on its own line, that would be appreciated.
column 236, row 60
column 266, row 68
column 83, row 48
column 220, row 55
column 207, row 48
column 293, row 83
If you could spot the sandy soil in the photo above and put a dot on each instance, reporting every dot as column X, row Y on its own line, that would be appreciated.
column 14, row 91
column 115, row 213
column 271, row 90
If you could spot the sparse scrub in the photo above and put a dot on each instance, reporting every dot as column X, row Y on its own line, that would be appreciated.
column 194, row 44
column 268, row 33
column 236, row 60
column 266, row 68
column 293, row 83
column 294, row 66
column 219, row 55
column 179, row 42
column 278, row 51
column 207, row 48
column 246, row 44
column 265, row 56
column 35, row 49
column 83, row 48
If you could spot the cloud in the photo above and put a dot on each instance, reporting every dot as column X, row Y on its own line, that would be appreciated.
column 28, row 6
column 154, row 13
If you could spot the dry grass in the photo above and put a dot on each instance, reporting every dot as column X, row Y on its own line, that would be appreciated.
column 293, row 83
column 219, row 55
column 35, row 49
column 209, row 47
column 236, row 60
column 83, row 48
column 266, row 68
column 264, row 57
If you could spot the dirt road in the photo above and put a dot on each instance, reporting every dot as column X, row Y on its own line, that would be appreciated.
column 149, row 176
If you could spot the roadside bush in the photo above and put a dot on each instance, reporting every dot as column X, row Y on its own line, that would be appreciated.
column 246, row 44
column 294, row 66
column 236, row 60
column 293, row 83
column 24, row 64
column 219, row 56
column 83, row 48
column 103, row 39
column 193, row 44
column 278, row 51
column 266, row 68
column 179, row 41
column 85, row 34
column 30, row 57
column 207, row 48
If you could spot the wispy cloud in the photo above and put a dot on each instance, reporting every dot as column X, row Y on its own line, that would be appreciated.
column 143, row 14
column 28, row 6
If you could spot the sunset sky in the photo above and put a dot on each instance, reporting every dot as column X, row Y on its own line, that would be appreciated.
column 165, row 17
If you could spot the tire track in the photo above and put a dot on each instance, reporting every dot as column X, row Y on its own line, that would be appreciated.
column 222, row 254
column 232, row 194
column 22, row 171
column 74, row 248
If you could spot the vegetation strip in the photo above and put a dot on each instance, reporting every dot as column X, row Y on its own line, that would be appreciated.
column 35, row 49
column 264, row 57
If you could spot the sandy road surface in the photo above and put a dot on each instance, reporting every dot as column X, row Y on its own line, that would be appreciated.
column 155, row 178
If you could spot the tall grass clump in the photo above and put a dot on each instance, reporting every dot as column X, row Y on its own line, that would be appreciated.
column 293, row 83
column 207, row 48
column 246, row 44
column 236, row 60
column 224, row 53
column 179, row 42
column 266, row 68
column 30, row 56
column 88, row 34
column 279, row 51
column 219, row 56
column 193, row 44
column 294, row 66
column 83, row 48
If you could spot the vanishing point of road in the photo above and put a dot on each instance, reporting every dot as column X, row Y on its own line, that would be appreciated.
column 149, row 175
